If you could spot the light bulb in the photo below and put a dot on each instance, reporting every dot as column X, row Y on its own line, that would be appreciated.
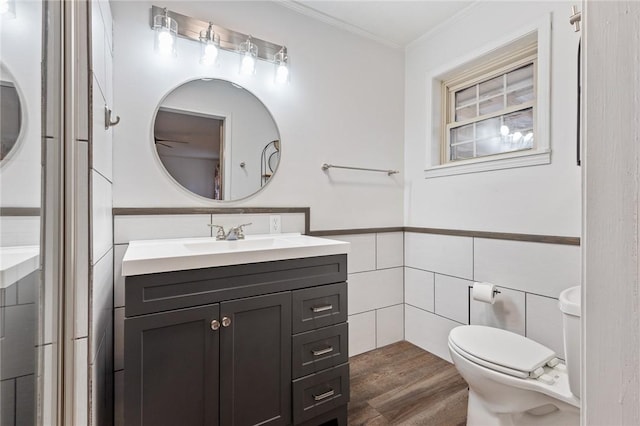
column 210, row 42
column 249, row 54
column 166, row 29
column 282, row 74
column 165, row 42
column 248, row 65
column 517, row 136
column 528, row 137
column 282, row 66
column 209, row 54
column 504, row 130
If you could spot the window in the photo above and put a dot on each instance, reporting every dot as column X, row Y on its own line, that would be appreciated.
column 490, row 109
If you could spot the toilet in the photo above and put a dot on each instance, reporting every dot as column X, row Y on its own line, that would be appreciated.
column 516, row 381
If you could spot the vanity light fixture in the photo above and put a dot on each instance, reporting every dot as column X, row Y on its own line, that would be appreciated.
column 248, row 55
column 282, row 66
column 8, row 8
column 210, row 44
column 169, row 25
column 166, row 29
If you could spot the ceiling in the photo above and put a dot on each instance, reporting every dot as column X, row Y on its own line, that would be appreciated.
column 395, row 23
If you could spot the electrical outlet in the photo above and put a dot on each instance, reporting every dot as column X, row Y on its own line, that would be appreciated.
column 275, row 224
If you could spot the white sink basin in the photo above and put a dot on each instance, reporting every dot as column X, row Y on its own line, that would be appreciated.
column 152, row 256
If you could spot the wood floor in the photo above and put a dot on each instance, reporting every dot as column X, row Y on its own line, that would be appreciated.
column 401, row 384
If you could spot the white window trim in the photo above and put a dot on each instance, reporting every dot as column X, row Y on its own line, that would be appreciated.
column 541, row 154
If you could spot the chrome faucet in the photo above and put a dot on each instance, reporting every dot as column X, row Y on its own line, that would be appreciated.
column 234, row 233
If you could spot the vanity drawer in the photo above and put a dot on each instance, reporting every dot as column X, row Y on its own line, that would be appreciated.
column 320, row 392
column 319, row 349
column 319, row 307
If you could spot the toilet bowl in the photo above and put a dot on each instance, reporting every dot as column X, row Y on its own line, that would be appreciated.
column 516, row 381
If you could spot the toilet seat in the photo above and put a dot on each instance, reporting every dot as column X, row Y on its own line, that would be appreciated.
column 502, row 350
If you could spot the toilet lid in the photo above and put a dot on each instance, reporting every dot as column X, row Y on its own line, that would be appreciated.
column 500, row 350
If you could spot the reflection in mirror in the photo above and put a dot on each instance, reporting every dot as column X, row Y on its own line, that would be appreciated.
column 10, row 113
column 28, row 283
column 216, row 139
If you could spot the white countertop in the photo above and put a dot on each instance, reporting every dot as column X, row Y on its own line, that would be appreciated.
column 153, row 256
column 17, row 262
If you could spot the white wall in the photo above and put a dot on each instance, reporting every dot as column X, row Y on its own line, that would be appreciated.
column 344, row 105
column 542, row 199
column 532, row 200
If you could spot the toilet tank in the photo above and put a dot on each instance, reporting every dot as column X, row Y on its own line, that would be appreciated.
column 569, row 302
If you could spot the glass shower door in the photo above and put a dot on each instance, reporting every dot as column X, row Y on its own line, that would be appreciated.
column 29, row 217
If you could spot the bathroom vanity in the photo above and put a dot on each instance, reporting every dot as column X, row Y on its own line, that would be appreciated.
column 236, row 332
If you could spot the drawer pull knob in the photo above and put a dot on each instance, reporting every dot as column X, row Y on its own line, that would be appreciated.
column 215, row 325
column 325, row 395
column 226, row 322
column 323, row 308
column 318, row 352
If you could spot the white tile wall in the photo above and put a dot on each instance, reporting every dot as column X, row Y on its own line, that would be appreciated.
column 101, row 295
column 428, row 331
column 526, row 273
column 544, row 322
column 539, row 268
column 419, row 288
column 452, row 298
column 389, row 250
column 362, row 333
column 102, row 205
column 508, row 311
column 102, row 139
column 98, row 45
column 362, row 254
column 440, row 253
column 105, row 11
column 143, row 227
column 389, row 325
column 102, row 300
column 81, row 306
column 375, row 289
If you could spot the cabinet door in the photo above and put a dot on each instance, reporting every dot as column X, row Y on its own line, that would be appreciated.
column 255, row 361
column 171, row 368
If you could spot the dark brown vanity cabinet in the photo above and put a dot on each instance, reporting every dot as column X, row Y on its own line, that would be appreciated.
column 262, row 343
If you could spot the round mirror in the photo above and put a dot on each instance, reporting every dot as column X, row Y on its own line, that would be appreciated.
column 216, row 139
column 10, row 113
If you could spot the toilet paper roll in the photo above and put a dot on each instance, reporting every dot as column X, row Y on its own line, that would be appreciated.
column 484, row 292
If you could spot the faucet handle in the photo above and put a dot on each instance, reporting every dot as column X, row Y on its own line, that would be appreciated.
column 220, row 235
column 240, row 230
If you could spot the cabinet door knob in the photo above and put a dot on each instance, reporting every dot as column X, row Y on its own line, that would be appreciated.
column 215, row 324
column 226, row 321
